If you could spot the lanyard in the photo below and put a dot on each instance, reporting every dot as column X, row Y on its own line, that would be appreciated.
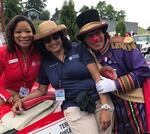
column 24, row 75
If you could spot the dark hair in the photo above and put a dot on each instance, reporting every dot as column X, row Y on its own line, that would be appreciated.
column 10, row 30
column 40, row 45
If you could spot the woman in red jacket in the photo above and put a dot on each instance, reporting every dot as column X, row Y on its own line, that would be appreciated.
column 19, row 60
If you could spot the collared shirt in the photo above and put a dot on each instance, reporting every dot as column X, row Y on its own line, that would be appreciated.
column 72, row 73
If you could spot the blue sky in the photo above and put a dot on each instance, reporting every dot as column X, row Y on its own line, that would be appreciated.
column 136, row 10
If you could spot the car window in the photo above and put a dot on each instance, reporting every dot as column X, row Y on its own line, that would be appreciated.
column 141, row 38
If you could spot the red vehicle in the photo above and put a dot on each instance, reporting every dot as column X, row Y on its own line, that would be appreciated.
column 41, row 116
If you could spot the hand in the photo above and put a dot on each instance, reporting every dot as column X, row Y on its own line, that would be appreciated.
column 17, row 108
column 105, row 119
column 13, row 99
column 16, row 98
column 105, row 85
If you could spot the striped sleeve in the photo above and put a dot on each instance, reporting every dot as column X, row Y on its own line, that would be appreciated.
column 127, row 83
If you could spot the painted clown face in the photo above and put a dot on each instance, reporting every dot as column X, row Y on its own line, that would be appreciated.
column 95, row 40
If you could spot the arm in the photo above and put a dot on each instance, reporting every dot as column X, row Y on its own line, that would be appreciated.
column 138, row 72
column 18, row 108
column 89, row 61
column 93, row 69
column 104, row 114
column 4, row 94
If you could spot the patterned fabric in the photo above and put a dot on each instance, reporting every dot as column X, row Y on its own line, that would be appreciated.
column 106, row 47
column 130, row 68
column 129, row 117
column 127, row 83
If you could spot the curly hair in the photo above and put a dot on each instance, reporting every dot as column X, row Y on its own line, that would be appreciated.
column 10, row 30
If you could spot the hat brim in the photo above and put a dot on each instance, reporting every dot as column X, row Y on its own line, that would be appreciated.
column 55, row 30
column 99, row 25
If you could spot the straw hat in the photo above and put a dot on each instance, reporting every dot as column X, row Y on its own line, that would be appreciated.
column 49, row 27
column 88, row 21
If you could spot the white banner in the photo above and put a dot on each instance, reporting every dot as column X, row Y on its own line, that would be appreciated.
column 58, row 127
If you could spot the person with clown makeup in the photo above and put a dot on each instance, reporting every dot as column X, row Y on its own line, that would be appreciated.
column 124, row 70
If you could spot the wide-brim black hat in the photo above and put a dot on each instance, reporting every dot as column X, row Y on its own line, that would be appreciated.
column 88, row 21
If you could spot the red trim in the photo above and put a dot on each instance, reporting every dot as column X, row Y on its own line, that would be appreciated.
column 48, row 126
column 4, row 109
column 121, row 84
column 130, row 80
column 138, row 118
column 43, row 122
column 129, row 112
column 146, row 90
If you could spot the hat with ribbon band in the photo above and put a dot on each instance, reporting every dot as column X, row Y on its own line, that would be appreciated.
column 49, row 27
column 88, row 21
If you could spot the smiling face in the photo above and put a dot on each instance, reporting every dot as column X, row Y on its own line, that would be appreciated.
column 53, row 43
column 95, row 40
column 23, row 34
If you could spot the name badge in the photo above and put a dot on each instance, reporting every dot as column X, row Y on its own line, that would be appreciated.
column 13, row 61
column 23, row 92
column 60, row 94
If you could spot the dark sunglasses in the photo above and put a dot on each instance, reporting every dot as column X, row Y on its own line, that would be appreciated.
column 55, row 37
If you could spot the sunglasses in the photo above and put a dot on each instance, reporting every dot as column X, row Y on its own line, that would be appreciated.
column 54, row 37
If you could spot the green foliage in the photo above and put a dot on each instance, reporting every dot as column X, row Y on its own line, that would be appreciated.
column 45, row 15
column 36, row 24
column 108, row 12
column 101, row 7
column 84, row 8
column 67, row 17
column 37, row 4
column 12, row 8
column 120, row 28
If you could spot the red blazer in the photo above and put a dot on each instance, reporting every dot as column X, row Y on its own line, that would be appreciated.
column 14, row 68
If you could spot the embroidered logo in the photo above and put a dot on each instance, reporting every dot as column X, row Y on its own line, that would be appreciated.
column 75, row 56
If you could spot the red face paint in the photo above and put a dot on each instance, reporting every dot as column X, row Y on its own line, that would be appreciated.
column 95, row 39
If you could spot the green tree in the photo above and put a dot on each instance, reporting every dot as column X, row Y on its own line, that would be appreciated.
column 120, row 15
column 108, row 12
column 84, row 8
column 37, row 4
column 67, row 17
column 101, row 7
column 45, row 15
column 12, row 8
column 121, row 28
